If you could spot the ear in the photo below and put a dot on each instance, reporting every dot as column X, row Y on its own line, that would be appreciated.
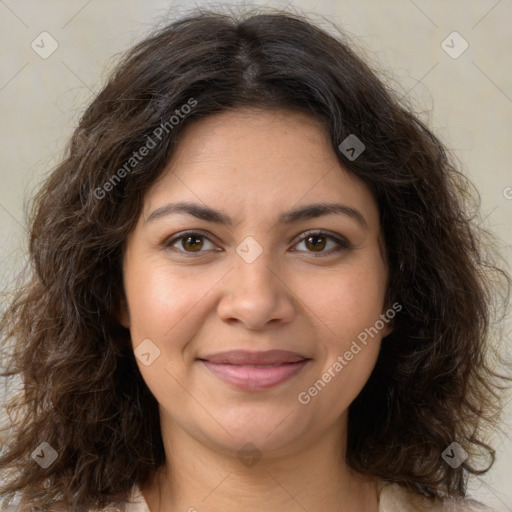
column 122, row 313
column 388, row 317
column 388, row 328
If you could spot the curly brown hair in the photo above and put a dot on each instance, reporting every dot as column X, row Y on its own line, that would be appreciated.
column 435, row 380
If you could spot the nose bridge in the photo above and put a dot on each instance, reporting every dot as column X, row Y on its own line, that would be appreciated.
column 254, row 294
column 252, row 273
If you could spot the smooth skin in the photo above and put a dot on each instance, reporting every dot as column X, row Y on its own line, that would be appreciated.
column 195, row 295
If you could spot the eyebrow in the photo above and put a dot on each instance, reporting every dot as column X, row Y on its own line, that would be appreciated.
column 300, row 213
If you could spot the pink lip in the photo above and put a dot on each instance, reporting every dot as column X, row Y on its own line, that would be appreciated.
column 253, row 371
column 246, row 357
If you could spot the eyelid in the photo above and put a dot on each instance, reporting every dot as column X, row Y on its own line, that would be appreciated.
column 325, row 232
column 169, row 241
column 343, row 243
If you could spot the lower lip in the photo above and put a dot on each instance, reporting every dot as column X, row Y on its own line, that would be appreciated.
column 254, row 378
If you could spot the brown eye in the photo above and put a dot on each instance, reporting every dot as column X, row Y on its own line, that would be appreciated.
column 189, row 243
column 192, row 243
column 316, row 243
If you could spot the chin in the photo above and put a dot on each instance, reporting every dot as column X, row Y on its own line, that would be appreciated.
column 270, row 432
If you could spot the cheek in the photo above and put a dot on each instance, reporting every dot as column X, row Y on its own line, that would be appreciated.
column 165, row 307
column 347, row 301
column 159, row 300
column 348, row 305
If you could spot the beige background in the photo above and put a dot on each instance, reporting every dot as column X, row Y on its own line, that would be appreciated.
column 467, row 101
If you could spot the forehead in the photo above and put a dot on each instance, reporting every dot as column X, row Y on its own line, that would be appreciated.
column 253, row 136
column 256, row 158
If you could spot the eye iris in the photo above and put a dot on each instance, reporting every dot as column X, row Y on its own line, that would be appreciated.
column 189, row 243
column 316, row 245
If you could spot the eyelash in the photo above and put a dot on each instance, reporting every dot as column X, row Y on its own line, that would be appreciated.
column 343, row 244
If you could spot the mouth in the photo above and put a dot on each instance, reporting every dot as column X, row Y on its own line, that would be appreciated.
column 255, row 371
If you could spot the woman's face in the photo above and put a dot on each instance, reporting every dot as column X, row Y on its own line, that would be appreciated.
column 261, row 271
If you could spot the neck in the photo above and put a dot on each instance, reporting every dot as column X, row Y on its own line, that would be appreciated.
column 197, row 478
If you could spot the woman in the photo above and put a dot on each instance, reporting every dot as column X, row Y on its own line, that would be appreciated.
column 255, row 285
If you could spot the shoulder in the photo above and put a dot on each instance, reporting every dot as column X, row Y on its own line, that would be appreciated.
column 394, row 497
column 135, row 502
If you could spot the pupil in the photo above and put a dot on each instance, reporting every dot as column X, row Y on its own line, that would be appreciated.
column 320, row 245
column 190, row 241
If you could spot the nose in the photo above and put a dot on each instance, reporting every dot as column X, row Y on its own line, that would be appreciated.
column 256, row 295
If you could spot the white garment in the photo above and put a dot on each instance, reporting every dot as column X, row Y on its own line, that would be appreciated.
column 392, row 498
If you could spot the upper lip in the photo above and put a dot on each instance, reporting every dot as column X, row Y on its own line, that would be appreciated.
column 246, row 357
